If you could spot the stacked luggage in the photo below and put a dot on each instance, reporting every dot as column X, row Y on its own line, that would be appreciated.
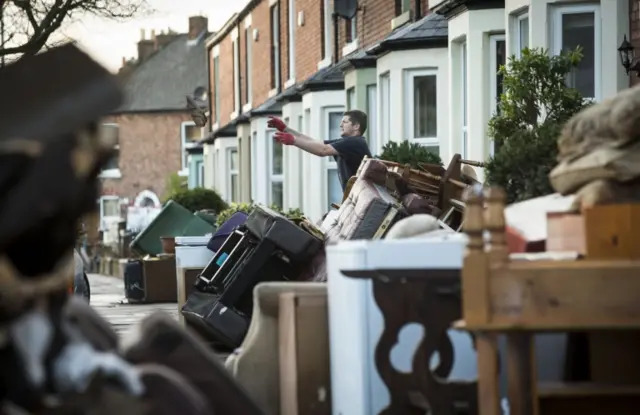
column 267, row 247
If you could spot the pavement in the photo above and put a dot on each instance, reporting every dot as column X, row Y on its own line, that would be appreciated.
column 107, row 298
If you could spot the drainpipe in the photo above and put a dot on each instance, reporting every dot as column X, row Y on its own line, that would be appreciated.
column 336, row 33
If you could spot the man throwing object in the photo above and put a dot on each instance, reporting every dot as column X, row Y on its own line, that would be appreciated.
column 348, row 150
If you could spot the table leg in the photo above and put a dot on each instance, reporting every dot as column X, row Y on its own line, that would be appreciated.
column 488, row 374
column 521, row 374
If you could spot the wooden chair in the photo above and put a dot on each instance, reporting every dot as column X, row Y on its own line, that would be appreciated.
column 503, row 295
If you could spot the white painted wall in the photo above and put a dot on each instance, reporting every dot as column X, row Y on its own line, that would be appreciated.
column 473, row 27
column 293, row 173
column 398, row 65
column 260, row 152
column 614, row 24
column 221, row 177
column 315, row 201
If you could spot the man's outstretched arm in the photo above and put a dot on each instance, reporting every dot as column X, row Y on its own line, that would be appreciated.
column 308, row 144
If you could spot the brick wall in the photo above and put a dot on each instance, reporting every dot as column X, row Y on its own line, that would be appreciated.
column 261, row 81
column 150, row 151
column 226, row 79
column 634, row 29
column 374, row 23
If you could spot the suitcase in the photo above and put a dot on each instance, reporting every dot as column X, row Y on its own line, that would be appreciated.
column 225, row 230
column 268, row 247
column 134, row 280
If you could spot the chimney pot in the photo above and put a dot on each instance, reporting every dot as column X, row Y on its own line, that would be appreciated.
column 197, row 25
column 142, row 34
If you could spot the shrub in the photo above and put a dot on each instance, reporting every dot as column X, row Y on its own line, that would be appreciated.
column 409, row 153
column 199, row 199
column 247, row 208
column 534, row 106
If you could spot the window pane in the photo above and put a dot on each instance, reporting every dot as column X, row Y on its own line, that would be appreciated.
column 523, row 32
column 351, row 98
column 385, row 86
column 335, row 189
column 578, row 29
column 276, row 165
column 235, row 188
column 191, row 133
column 335, row 118
column 233, row 160
column 113, row 162
column 276, row 194
column 434, row 149
column 424, row 107
column 111, row 132
column 372, row 112
column 110, row 207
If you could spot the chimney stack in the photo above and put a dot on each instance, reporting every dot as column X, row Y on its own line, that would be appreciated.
column 197, row 25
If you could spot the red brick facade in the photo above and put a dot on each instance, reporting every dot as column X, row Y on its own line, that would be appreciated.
column 373, row 24
column 146, row 164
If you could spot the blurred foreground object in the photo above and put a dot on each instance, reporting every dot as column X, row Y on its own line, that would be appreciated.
column 57, row 356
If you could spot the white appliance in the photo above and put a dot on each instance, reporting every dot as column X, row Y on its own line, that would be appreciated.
column 356, row 323
column 192, row 252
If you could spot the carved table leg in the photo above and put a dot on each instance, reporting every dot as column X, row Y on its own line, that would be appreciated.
column 434, row 305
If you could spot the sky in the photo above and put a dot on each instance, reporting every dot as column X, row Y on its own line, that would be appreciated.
column 109, row 41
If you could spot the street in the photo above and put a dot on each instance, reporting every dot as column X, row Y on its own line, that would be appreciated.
column 107, row 298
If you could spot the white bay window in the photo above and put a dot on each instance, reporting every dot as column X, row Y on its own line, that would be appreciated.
column 254, row 171
column 579, row 25
column 422, row 115
column 520, row 32
column 372, row 113
column 385, row 109
column 276, row 171
column 234, row 183
column 190, row 135
column 497, row 58
column 334, row 188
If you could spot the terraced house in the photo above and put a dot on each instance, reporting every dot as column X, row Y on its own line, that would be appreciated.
column 283, row 58
column 424, row 71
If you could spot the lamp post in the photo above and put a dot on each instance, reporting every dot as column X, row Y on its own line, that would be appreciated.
column 627, row 57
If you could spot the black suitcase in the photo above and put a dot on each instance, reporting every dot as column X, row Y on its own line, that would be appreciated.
column 268, row 247
column 134, row 280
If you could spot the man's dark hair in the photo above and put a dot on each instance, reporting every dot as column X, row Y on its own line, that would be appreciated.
column 358, row 117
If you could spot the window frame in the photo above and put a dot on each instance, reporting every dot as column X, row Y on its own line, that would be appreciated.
column 113, row 173
column 216, row 88
column 103, row 217
column 464, row 131
column 248, row 68
column 184, row 146
column 274, row 20
column 384, row 106
column 237, row 105
column 233, row 172
column 556, row 19
column 410, row 75
column 330, row 163
column 372, row 115
column 517, row 35
column 254, row 171
column 493, row 81
column 326, row 35
column 291, row 12
column 274, row 178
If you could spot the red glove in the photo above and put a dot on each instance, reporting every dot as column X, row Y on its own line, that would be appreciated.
column 277, row 123
column 284, row 138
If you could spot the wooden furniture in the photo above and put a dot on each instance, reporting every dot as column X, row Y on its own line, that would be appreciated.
column 431, row 298
column 518, row 298
column 305, row 374
column 256, row 363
